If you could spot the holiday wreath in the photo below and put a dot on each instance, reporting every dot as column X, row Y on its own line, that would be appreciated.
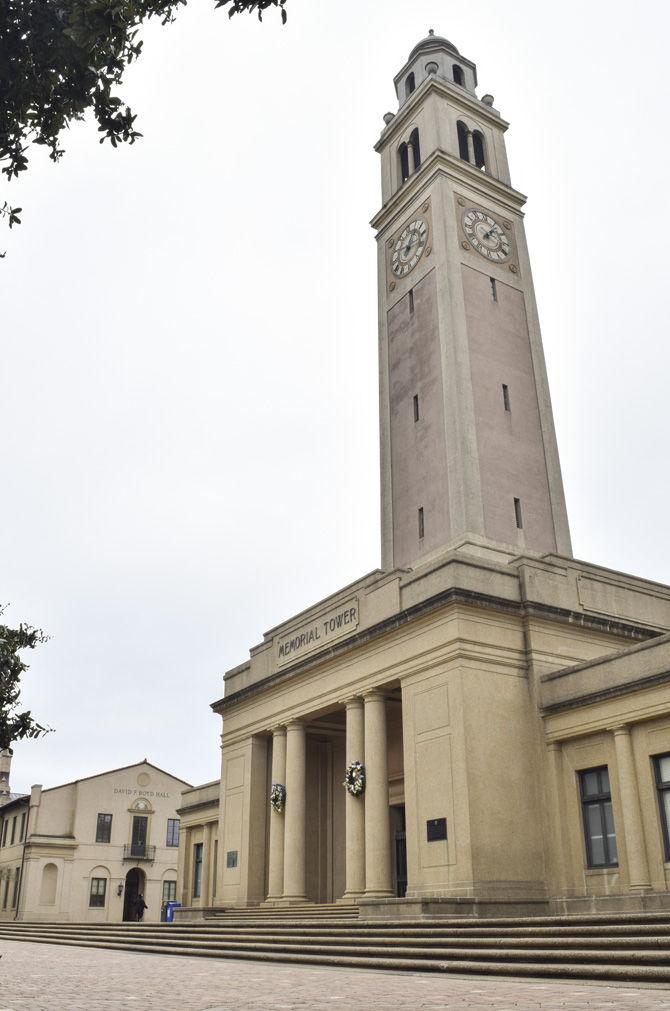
column 354, row 779
column 278, row 797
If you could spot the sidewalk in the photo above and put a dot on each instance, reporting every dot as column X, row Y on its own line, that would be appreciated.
column 35, row 977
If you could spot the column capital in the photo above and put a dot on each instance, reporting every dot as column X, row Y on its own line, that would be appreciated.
column 555, row 746
column 294, row 725
column 374, row 695
column 353, row 702
column 279, row 730
column 623, row 730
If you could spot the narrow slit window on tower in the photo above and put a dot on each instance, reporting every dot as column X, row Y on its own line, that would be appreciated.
column 403, row 154
column 506, row 401
column 494, row 289
column 410, row 299
column 421, row 526
column 478, row 144
column 416, row 406
column 517, row 513
column 459, row 76
column 410, row 85
column 463, row 140
column 414, row 144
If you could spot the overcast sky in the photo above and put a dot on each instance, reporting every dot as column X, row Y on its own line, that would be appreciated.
column 188, row 380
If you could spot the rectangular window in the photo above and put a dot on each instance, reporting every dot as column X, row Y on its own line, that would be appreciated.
column 416, row 406
column 98, row 892
column 103, row 831
column 15, row 894
column 662, row 774
column 421, row 526
column 214, row 865
column 22, row 833
column 172, row 832
column 410, row 298
column 5, row 826
column 169, row 891
column 594, row 786
column 517, row 513
column 506, row 402
column 197, row 870
column 11, row 841
column 494, row 289
column 6, row 894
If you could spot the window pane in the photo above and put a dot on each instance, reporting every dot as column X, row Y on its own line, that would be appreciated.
column 103, row 832
column 609, row 830
column 664, row 768
column 169, row 891
column 595, row 833
column 604, row 781
column 665, row 804
column 590, row 786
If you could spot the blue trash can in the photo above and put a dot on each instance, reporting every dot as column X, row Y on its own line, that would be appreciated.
column 169, row 911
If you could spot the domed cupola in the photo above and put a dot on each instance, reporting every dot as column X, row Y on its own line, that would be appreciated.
column 434, row 55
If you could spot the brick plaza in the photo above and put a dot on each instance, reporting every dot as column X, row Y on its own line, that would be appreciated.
column 37, row 977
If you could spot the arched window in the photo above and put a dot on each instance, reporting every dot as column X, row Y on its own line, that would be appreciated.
column 463, row 140
column 459, row 76
column 403, row 155
column 478, row 144
column 49, row 885
column 416, row 150
column 410, row 85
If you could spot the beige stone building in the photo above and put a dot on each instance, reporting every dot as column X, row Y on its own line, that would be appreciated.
column 198, row 846
column 85, row 850
column 508, row 704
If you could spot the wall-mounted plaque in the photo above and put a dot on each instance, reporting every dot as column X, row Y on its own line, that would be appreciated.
column 436, row 829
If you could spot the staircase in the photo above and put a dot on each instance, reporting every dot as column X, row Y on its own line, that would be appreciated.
column 632, row 947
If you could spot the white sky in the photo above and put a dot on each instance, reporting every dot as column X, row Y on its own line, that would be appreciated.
column 188, row 381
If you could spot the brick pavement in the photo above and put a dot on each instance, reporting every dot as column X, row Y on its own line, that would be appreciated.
column 36, row 977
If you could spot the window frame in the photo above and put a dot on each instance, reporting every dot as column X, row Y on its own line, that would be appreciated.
column 599, row 799
column 102, row 825
column 169, row 832
column 96, row 893
column 17, row 881
column 662, row 787
column 171, row 897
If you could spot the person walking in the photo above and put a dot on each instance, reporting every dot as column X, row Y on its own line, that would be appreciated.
column 140, row 906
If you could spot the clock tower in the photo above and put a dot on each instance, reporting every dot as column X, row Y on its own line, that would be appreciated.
column 468, row 448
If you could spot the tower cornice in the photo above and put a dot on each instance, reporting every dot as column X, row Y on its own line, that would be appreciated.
column 442, row 163
column 457, row 97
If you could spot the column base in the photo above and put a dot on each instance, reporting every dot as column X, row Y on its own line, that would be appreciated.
column 381, row 894
column 349, row 897
column 292, row 900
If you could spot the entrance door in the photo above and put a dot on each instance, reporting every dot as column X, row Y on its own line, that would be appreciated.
column 138, row 843
column 401, row 854
column 134, row 887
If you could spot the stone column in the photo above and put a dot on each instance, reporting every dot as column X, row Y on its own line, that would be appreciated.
column 206, row 864
column 184, row 867
column 277, row 821
column 378, row 874
column 638, row 867
column 471, row 149
column 355, row 806
column 556, row 808
column 294, row 830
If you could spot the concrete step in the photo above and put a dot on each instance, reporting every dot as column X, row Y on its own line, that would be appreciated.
column 634, row 947
column 586, row 945
column 495, row 966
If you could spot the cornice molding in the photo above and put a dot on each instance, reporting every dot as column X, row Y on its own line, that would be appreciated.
column 458, row 97
column 438, row 163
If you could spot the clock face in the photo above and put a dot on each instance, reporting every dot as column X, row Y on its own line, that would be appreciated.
column 486, row 236
column 409, row 247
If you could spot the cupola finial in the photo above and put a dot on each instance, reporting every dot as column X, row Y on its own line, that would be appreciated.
column 431, row 31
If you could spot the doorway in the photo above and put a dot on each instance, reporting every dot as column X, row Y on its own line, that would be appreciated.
column 135, row 885
column 400, row 851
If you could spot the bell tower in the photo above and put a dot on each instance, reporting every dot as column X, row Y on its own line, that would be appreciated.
column 468, row 448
